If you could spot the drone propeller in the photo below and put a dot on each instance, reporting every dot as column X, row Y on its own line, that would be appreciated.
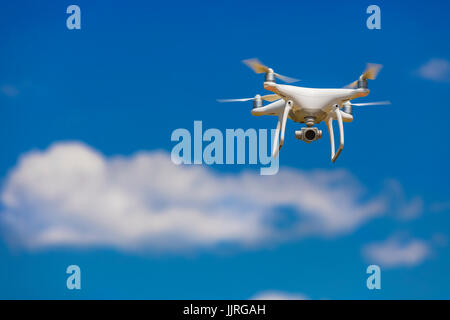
column 379, row 103
column 258, row 67
column 371, row 72
column 268, row 97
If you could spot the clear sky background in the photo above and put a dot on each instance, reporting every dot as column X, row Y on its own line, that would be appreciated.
column 85, row 123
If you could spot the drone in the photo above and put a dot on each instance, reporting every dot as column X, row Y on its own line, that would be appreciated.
column 309, row 105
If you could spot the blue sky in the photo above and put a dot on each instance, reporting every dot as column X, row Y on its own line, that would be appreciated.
column 137, row 71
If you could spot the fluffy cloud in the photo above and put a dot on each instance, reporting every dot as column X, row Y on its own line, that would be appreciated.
column 403, row 207
column 71, row 195
column 436, row 70
column 279, row 295
column 440, row 206
column 10, row 91
column 397, row 253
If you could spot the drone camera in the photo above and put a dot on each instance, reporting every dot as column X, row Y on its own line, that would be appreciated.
column 308, row 134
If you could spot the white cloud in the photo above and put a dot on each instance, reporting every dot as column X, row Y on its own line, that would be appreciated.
column 71, row 195
column 404, row 208
column 440, row 206
column 279, row 295
column 9, row 90
column 397, row 253
column 435, row 69
column 440, row 239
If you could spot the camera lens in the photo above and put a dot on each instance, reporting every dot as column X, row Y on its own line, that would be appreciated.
column 310, row 134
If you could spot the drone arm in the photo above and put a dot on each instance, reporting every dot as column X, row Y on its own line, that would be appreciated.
column 273, row 108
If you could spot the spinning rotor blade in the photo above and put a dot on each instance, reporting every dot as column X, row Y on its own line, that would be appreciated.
column 286, row 79
column 258, row 67
column 379, row 103
column 352, row 85
column 235, row 100
column 268, row 97
column 271, row 97
column 371, row 72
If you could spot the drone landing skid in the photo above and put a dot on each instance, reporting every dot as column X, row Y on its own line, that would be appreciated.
column 281, row 126
column 329, row 122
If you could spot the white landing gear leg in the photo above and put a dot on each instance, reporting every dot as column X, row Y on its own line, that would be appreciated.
column 281, row 125
column 329, row 121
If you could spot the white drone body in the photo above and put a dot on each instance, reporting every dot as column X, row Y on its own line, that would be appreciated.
column 308, row 105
